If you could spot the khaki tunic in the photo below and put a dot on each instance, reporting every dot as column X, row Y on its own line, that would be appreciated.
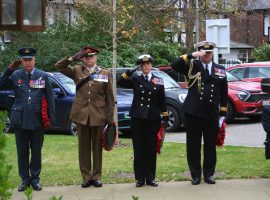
column 94, row 102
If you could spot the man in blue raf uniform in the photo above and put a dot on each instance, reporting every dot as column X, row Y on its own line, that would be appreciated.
column 205, row 108
column 29, row 85
column 147, row 106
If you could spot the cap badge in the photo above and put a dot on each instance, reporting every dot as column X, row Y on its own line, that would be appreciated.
column 145, row 58
column 206, row 45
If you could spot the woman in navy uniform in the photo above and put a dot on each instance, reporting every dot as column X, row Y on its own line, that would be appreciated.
column 205, row 108
column 30, row 85
column 147, row 106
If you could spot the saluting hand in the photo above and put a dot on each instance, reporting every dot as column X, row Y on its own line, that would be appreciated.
column 198, row 53
column 78, row 56
column 132, row 70
column 14, row 65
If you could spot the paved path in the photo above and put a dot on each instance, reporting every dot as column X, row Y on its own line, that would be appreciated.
column 252, row 189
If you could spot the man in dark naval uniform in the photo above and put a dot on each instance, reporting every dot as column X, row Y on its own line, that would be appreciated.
column 30, row 85
column 147, row 107
column 205, row 108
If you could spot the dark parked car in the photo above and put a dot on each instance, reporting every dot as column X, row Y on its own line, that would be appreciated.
column 64, row 92
column 175, row 97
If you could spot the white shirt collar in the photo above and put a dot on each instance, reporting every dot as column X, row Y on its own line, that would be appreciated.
column 149, row 76
column 209, row 65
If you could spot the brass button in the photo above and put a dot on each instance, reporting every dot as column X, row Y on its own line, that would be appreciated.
column 142, row 91
column 149, row 99
column 89, row 100
column 141, row 104
column 140, row 85
column 149, row 93
column 142, row 98
column 155, row 88
column 148, row 106
column 210, row 100
column 200, row 98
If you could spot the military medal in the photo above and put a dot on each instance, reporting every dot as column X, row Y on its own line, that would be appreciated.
column 100, row 77
column 157, row 81
column 37, row 83
column 220, row 72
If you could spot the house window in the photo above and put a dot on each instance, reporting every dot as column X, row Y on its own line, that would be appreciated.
column 266, row 23
column 243, row 55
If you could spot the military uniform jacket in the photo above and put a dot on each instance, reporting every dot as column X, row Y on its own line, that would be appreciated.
column 208, row 100
column 149, row 97
column 94, row 101
column 26, row 110
column 266, row 118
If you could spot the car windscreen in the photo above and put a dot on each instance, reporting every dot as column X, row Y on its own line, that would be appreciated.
column 231, row 78
column 67, row 82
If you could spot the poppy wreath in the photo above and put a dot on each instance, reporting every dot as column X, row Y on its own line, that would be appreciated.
column 109, row 135
column 160, row 139
column 221, row 135
column 44, row 113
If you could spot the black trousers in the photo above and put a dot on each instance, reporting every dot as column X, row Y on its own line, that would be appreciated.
column 196, row 129
column 144, row 138
column 27, row 140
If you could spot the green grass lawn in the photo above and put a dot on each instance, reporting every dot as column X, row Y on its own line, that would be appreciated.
column 61, row 167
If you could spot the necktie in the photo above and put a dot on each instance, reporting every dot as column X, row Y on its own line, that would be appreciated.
column 29, row 76
column 146, row 78
column 206, row 70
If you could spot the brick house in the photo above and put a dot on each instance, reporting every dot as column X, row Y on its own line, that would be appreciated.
column 252, row 27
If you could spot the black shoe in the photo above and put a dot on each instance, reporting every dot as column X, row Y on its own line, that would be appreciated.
column 195, row 181
column 86, row 184
column 152, row 183
column 209, row 180
column 96, row 183
column 23, row 187
column 36, row 186
column 140, row 183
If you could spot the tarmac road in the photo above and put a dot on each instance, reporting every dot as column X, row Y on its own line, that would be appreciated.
column 242, row 132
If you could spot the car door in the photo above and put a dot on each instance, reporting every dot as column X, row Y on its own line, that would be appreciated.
column 62, row 105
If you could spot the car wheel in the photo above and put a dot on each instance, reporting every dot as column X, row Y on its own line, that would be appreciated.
column 230, row 113
column 174, row 119
column 72, row 128
column 7, row 128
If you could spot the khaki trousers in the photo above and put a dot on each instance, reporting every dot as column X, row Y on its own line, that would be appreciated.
column 90, row 151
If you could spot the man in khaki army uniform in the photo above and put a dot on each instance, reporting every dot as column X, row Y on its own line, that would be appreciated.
column 92, row 108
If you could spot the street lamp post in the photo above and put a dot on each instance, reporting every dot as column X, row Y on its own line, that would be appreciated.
column 22, row 15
